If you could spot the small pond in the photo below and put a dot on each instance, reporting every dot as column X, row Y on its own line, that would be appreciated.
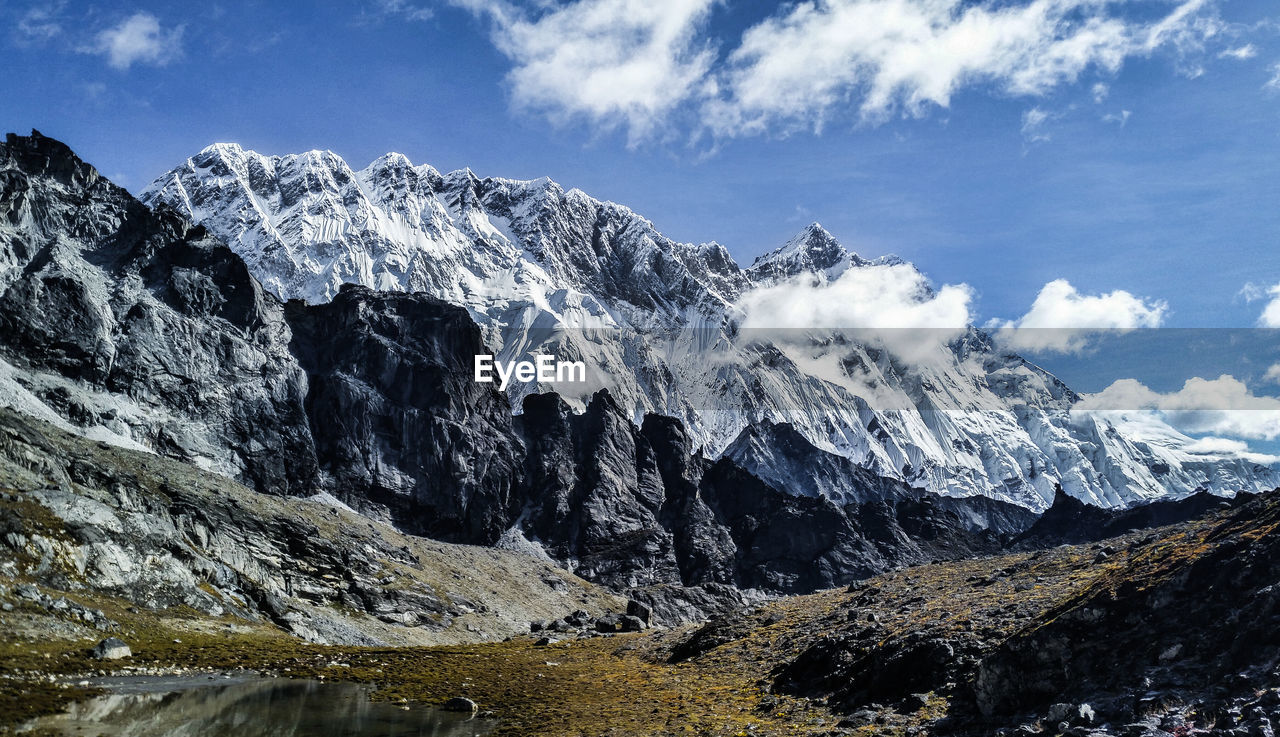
column 250, row 707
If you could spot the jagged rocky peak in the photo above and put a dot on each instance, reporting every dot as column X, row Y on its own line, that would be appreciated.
column 814, row 251
column 136, row 327
column 532, row 262
column 307, row 223
column 39, row 155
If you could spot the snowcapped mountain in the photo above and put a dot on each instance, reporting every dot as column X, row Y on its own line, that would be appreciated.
column 545, row 270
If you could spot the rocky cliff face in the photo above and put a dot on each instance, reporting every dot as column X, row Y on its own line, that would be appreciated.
column 1188, row 619
column 134, row 327
column 661, row 324
column 399, row 426
column 140, row 327
column 639, row 507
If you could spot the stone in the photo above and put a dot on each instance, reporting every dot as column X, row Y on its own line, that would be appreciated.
column 640, row 611
column 460, row 704
column 619, row 623
column 112, row 648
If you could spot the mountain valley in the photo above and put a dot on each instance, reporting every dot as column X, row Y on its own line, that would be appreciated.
column 240, row 433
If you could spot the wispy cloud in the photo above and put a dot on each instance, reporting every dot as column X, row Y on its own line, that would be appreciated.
column 381, row 10
column 139, row 39
column 40, row 23
column 1241, row 53
column 1062, row 320
column 1121, row 118
column 1274, row 82
column 1034, row 122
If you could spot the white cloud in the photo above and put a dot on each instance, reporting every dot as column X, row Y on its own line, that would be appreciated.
column 1100, row 92
column 1211, row 445
column 640, row 64
column 1033, row 125
column 379, row 11
column 890, row 304
column 612, row 62
column 1248, row 51
column 139, row 39
column 1274, row 82
column 404, row 9
column 1270, row 317
column 804, row 66
column 1121, row 118
column 1062, row 320
column 1221, row 406
column 41, row 22
column 1272, row 374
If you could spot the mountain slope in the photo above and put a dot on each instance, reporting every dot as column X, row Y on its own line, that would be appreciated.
column 659, row 323
column 135, row 327
column 140, row 327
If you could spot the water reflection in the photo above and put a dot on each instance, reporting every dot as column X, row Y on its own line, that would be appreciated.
column 250, row 707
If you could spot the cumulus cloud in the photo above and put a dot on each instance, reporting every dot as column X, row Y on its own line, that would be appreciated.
column 1221, row 406
column 1270, row 317
column 805, row 65
column 1272, row 374
column 612, row 62
column 643, row 63
column 139, row 39
column 1063, row 320
column 889, row 304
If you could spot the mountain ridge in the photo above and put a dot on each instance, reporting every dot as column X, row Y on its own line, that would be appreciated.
column 547, row 270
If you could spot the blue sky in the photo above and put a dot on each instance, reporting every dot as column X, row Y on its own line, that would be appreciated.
column 1131, row 149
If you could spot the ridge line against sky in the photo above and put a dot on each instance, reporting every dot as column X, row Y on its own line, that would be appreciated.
column 1063, row 160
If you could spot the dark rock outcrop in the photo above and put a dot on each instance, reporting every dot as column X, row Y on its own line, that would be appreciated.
column 398, row 423
column 594, row 493
column 1185, row 618
column 139, row 325
column 1071, row 521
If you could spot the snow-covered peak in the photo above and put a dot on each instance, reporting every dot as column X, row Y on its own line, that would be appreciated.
column 812, row 251
column 534, row 263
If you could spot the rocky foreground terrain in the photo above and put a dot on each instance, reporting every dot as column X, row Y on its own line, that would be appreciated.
column 1156, row 631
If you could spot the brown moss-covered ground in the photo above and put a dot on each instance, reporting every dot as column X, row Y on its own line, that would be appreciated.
column 760, row 672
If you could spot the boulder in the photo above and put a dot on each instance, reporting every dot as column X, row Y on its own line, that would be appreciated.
column 639, row 611
column 619, row 623
column 460, row 704
column 112, row 648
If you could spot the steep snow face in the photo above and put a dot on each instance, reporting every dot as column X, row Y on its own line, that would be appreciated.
column 545, row 270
